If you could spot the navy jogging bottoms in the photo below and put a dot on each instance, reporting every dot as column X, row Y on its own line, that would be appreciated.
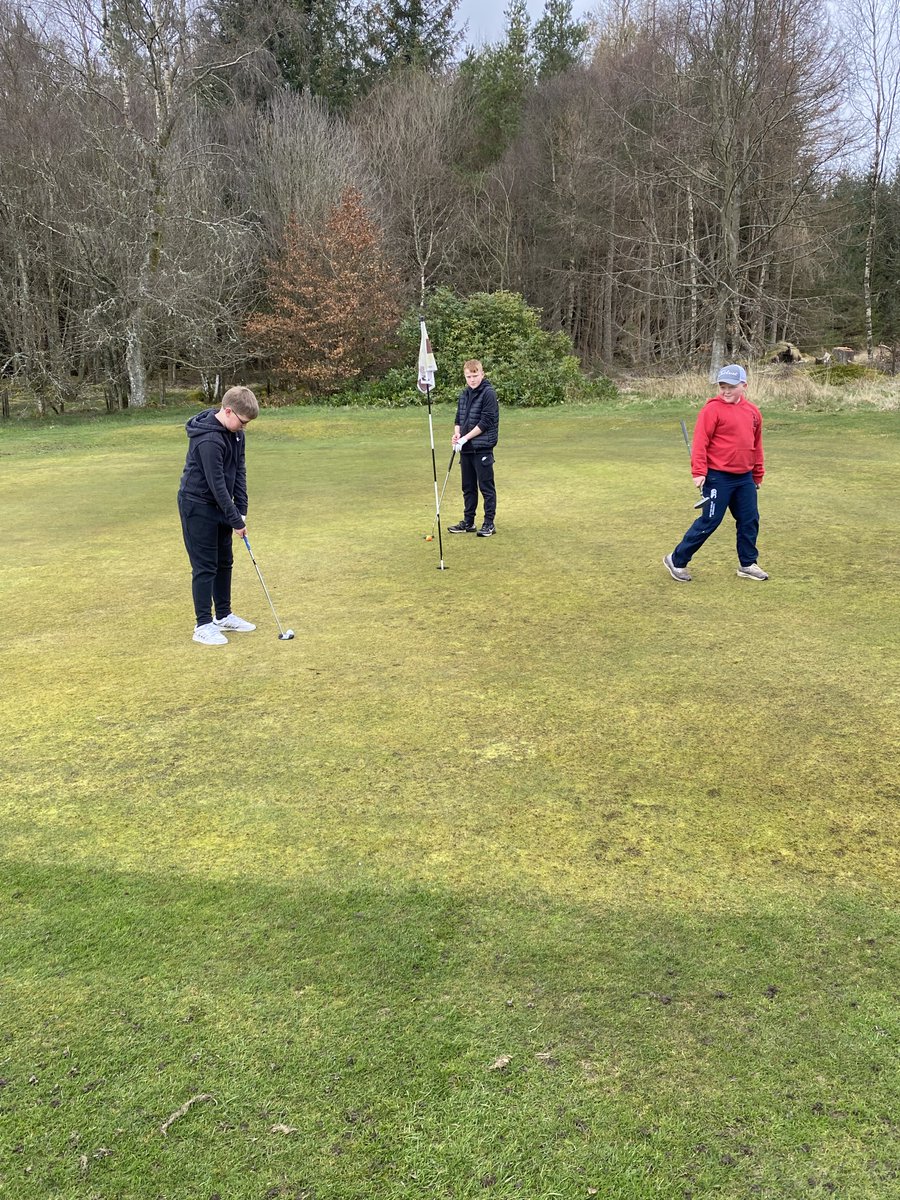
column 732, row 493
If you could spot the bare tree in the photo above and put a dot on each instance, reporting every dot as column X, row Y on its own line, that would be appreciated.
column 726, row 116
column 410, row 127
column 40, row 340
column 142, row 70
column 873, row 35
column 305, row 159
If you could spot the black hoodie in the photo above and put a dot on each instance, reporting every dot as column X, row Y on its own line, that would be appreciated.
column 214, row 469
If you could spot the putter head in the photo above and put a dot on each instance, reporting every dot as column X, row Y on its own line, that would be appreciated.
column 287, row 636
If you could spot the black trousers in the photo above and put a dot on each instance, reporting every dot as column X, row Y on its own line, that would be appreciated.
column 208, row 541
column 477, row 470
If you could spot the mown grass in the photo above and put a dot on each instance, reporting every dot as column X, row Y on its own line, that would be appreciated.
column 640, row 839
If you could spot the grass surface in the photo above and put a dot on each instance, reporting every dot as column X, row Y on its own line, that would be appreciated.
column 543, row 876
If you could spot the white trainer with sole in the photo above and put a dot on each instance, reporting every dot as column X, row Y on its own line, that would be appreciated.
column 210, row 635
column 235, row 624
column 678, row 573
column 752, row 571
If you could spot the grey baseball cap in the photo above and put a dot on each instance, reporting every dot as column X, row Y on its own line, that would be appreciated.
column 732, row 374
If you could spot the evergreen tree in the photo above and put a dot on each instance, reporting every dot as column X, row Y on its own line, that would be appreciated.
column 337, row 49
column 409, row 33
column 311, row 46
column 558, row 39
column 499, row 79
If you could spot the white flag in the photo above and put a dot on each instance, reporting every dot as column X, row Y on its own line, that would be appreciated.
column 427, row 365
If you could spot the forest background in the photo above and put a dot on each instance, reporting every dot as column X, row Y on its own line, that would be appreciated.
column 201, row 192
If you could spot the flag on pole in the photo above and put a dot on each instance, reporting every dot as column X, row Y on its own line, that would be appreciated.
column 427, row 365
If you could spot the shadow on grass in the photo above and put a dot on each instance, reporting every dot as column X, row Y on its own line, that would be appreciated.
column 404, row 1043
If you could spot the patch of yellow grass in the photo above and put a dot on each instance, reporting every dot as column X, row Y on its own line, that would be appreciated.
column 770, row 387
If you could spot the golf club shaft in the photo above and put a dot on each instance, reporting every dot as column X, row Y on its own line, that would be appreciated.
column 687, row 441
column 437, row 514
column 263, row 582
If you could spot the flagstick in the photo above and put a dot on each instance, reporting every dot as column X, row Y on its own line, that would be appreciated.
column 437, row 501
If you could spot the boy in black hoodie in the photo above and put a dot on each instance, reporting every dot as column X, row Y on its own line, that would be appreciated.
column 212, row 501
column 474, row 439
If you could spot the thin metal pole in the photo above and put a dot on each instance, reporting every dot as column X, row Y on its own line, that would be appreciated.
column 437, row 501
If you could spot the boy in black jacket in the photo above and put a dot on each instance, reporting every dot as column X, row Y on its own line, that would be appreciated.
column 474, row 439
column 212, row 501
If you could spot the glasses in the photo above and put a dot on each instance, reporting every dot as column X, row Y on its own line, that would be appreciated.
column 239, row 417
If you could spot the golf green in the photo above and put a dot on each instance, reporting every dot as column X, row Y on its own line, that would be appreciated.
column 540, row 876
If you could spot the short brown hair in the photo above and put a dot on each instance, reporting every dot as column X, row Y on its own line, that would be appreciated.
column 473, row 364
column 242, row 401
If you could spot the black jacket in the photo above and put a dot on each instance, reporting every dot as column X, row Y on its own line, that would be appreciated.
column 214, row 470
column 478, row 406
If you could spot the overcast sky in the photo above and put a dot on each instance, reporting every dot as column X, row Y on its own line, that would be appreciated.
column 485, row 17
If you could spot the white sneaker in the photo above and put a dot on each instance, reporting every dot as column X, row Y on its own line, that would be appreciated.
column 677, row 573
column 210, row 635
column 235, row 624
column 752, row 571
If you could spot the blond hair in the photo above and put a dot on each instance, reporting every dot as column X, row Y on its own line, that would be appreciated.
column 242, row 401
column 473, row 364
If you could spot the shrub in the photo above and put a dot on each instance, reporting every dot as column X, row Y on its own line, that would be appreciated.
column 528, row 366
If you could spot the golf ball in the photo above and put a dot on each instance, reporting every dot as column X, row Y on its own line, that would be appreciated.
column 429, row 538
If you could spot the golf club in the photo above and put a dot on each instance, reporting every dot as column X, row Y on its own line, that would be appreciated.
column 430, row 536
column 284, row 635
column 687, row 441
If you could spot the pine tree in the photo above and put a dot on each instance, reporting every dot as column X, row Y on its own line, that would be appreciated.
column 499, row 78
column 409, row 33
column 314, row 46
column 558, row 39
column 333, row 302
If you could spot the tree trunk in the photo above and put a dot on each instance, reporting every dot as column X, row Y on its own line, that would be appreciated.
column 867, row 273
column 692, row 276
column 134, row 361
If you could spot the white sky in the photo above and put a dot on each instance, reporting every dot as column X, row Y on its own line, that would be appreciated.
column 485, row 17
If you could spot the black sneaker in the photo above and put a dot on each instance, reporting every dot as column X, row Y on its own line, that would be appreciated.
column 487, row 530
column 461, row 527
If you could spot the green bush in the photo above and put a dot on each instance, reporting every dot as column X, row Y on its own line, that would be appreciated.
column 529, row 367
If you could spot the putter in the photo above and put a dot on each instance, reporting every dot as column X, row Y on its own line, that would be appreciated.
column 284, row 635
column 429, row 537
column 687, row 441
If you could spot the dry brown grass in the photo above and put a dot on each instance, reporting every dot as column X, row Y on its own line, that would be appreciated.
column 792, row 388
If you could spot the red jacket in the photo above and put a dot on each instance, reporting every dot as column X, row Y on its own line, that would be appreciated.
column 728, row 437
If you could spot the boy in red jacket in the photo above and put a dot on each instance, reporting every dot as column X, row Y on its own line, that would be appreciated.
column 727, row 466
